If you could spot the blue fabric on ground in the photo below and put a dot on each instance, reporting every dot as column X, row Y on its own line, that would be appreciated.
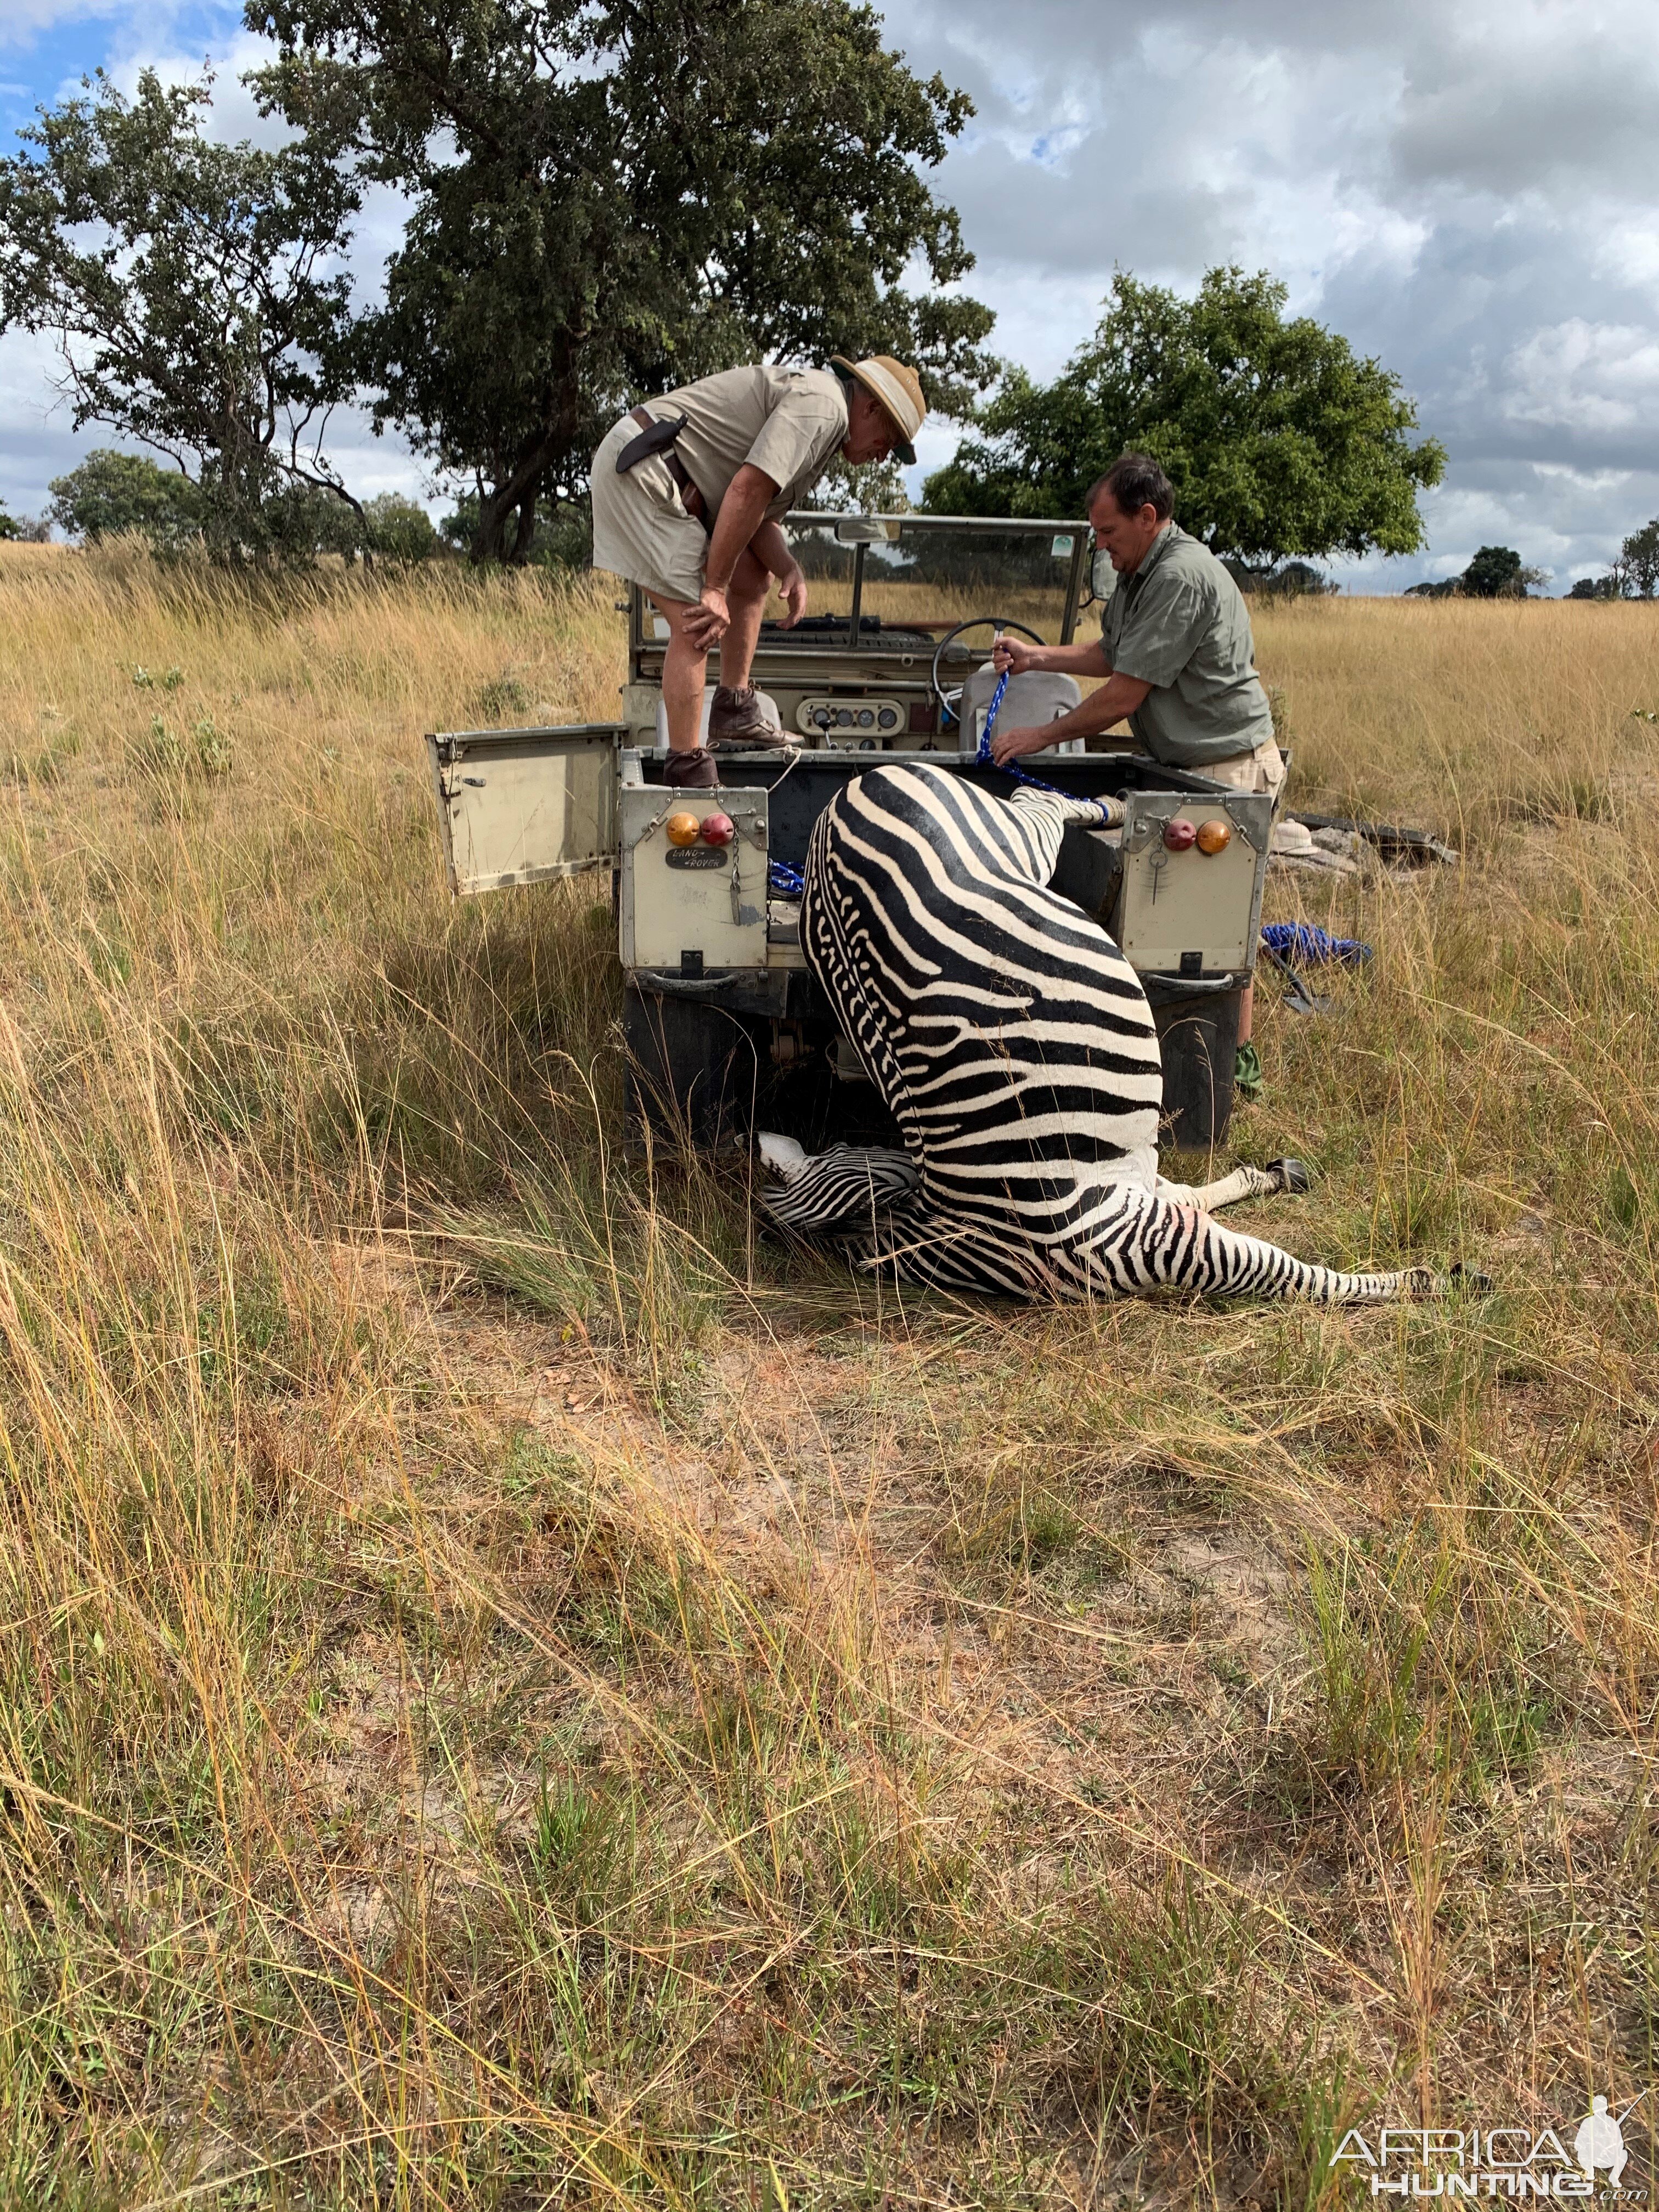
column 1307, row 946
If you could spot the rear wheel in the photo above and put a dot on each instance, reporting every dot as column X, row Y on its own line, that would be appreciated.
column 703, row 1080
column 693, row 1073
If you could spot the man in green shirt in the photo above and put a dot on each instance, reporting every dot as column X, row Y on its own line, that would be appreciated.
column 1177, row 657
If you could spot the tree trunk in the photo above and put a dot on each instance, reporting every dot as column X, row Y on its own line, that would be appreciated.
column 523, row 484
column 493, row 508
column 525, row 539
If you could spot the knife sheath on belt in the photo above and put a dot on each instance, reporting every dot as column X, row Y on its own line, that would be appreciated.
column 657, row 435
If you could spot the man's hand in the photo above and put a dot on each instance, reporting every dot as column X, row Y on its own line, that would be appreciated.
column 1009, row 744
column 792, row 584
column 708, row 621
column 1012, row 656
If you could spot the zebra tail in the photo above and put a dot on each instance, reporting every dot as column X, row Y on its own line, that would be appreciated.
column 1189, row 1250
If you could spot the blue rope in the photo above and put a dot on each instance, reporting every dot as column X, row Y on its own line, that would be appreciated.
column 786, row 882
column 1032, row 782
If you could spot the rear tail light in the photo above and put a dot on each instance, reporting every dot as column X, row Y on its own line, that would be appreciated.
column 718, row 829
column 1214, row 835
column 1179, row 834
column 683, row 828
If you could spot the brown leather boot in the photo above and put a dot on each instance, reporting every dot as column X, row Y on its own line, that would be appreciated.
column 738, row 723
column 691, row 771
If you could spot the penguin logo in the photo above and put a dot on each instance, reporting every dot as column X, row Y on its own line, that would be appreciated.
column 1599, row 2142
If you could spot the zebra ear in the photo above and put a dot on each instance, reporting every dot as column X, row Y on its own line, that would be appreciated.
column 782, row 1155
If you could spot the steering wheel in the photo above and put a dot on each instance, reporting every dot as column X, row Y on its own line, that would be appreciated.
column 948, row 700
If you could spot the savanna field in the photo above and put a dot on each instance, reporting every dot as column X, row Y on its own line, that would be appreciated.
column 517, row 1691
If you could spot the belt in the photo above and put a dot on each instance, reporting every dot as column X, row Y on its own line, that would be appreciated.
column 659, row 438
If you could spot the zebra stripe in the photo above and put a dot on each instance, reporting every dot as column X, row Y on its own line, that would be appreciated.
column 1011, row 1041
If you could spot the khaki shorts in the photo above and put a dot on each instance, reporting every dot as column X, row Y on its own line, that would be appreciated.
column 1261, row 770
column 640, row 531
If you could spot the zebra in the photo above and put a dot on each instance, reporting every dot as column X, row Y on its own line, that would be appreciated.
column 1011, row 1041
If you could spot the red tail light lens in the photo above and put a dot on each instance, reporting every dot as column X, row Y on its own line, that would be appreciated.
column 1181, row 834
column 718, row 829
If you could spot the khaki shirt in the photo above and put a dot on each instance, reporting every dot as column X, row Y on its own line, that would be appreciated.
column 790, row 423
column 1180, row 623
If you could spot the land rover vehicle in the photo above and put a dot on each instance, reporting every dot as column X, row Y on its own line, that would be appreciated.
column 725, row 1026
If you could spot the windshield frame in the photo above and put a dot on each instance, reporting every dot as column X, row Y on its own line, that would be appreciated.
column 645, row 648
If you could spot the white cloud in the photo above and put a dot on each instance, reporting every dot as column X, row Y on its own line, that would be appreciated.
column 22, row 21
column 1585, row 376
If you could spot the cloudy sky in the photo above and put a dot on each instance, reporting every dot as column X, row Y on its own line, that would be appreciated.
column 1468, row 189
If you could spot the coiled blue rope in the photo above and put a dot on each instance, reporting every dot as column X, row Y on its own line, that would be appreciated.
column 785, row 881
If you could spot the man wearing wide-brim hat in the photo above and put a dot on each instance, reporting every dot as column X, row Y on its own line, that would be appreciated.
column 688, row 491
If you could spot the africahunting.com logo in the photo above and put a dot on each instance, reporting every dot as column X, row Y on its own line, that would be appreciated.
column 1505, row 2161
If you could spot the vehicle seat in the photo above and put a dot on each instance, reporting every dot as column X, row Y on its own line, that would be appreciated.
column 1033, row 697
column 768, row 707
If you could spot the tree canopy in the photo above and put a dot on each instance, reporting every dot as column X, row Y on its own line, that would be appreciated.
column 399, row 530
column 111, row 493
column 190, row 286
column 1277, row 438
column 1638, row 565
column 1496, row 572
column 612, row 199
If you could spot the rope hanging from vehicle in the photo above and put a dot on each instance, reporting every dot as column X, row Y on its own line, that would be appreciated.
column 785, row 882
column 1110, row 814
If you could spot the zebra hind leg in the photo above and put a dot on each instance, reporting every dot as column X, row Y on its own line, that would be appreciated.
column 1175, row 1244
column 1243, row 1183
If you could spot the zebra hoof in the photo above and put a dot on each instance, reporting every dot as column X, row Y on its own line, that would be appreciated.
column 1290, row 1174
column 1469, row 1282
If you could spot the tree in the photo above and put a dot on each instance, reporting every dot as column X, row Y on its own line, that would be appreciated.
column 562, row 538
column 1595, row 588
column 1495, row 573
column 1297, row 580
column 187, row 284
column 1277, row 438
column 399, row 530
column 25, row 529
column 613, row 198
column 111, row 493
column 1638, row 562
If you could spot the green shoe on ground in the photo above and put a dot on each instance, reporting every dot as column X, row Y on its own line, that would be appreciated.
column 1247, row 1073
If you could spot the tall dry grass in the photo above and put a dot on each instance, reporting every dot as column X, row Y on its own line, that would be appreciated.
column 516, row 1693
